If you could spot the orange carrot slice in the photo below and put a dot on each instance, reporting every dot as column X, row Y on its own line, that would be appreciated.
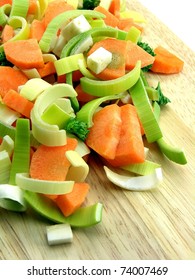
column 32, row 7
column 25, row 54
column 115, row 8
column 116, row 68
column 10, row 78
column 18, row 103
column 55, row 8
column 50, row 163
column 3, row 2
column 47, row 69
column 130, row 148
column 110, row 19
column 105, row 133
column 83, row 96
column 166, row 62
column 7, row 33
column 126, row 23
column 70, row 202
column 135, row 53
column 37, row 28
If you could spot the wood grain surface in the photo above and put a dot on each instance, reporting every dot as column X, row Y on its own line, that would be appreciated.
column 158, row 224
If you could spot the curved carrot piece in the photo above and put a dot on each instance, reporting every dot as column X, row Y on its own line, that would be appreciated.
column 50, row 163
column 116, row 68
column 130, row 148
column 32, row 7
column 18, row 103
column 105, row 133
column 70, row 202
column 10, row 78
column 115, row 8
column 135, row 53
column 126, row 23
column 47, row 69
column 166, row 62
column 7, row 33
column 110, row 19
column 37, row 28
column 83, row 96
column 25, row 54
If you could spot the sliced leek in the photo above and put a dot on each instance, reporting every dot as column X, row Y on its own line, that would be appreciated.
column 79, row 169
column 7, row 115
column 173, row 153
column 111, row 87
column 59, row 234
column 137, row 183
column 19, row 8
column 11, row 198
column 5, row 166
column 21, row 155
column 68, row 64
column 83, row 217
column 7, row 145
column 24, row 181
column 4, row 13
column 33, row 88
column 143, row 168
column 144, row 109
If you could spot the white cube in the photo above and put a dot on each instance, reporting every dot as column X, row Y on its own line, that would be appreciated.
column 99, row 60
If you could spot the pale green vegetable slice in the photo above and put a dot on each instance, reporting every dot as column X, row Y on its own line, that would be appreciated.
column 111, row 87
column 24, row 181
column 83, row 217
column 137, row 183
column 5, row 166
column 7, row 115
column 4, row 13
column 21, row 155
column 133, row 34
column 68, row 64
column 83, row 69
column 31, row 73
column 33, row 88
column 45, row 133
column 19, row 8
column 145, row 112
column 11, row 198
column 173, row 153
column 7, row 145
column 59, row 234
column 143, row 168
column 79, row 169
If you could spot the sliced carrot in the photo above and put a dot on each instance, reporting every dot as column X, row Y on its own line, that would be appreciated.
column 110, row 19
column 135, row 53
column 51, row 196
column 50, row 163
column 55, row 8
column 105, row 133
column 166, row 62
column 37, row 28
column 25, row 54
column 7, row 33
column 3, row 2
column 18, row 103
column 115, row 8
column 32, row 7
column 83, row 96
column 70, row 202
column 116, row 68
column 47, row 69
column 10, row 78
column 126, row 23
column 130, row 148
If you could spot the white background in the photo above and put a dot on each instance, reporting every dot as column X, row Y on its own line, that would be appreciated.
column 178, row 15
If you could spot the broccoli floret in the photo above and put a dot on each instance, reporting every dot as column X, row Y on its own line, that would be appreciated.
column 163, row 100
column 149, row 50
column 3, row 60
column 78, row 128
column 90, row 4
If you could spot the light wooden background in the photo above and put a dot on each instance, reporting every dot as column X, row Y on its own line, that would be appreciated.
column 157, row 224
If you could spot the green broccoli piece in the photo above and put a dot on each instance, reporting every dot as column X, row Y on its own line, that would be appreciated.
column 3, row 60
column 78, row 128
column 149, row 50
column 90, row 4
column 163, row 100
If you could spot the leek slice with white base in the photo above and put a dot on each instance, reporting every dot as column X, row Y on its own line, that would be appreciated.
column 139, row 183
column 5, row 166
column 11, row 198
column 59, row 234
column 24, row 181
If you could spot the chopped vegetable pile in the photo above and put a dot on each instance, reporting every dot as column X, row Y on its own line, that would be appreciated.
column 73, row 79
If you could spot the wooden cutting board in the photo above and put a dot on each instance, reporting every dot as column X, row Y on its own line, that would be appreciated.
column 158, row 224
